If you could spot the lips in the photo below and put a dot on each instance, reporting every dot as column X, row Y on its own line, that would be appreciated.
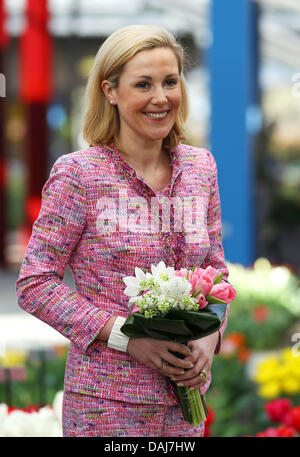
column 157, row 115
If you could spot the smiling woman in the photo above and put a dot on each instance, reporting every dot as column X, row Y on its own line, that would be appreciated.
column 136, row 107
column 114, row 58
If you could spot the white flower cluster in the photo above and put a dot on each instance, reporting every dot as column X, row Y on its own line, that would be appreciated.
column 47, row 422
column 158, row 292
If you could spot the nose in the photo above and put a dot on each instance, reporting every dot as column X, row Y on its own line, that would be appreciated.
column 159, row 96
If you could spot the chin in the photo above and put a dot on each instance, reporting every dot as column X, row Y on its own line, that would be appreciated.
column 160, row 135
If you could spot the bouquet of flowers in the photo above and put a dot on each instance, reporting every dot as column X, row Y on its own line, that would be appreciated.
column 178, row 305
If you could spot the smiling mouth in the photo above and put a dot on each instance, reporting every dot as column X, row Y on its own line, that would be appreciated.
column 157, row 115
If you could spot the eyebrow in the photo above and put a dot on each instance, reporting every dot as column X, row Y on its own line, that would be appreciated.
column 150, row 77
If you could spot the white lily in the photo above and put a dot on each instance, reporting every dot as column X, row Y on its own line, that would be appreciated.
column 161, row 269
column 133, row 282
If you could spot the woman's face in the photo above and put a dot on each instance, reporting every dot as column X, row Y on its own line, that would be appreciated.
column 148, row 96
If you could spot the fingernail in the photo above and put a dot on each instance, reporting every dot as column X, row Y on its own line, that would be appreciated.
column 180, row 384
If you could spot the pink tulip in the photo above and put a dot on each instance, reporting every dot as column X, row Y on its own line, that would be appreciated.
column 223, row 291
column 201, row 301
column 212, row 273
column 182, row 272
column 201, row 280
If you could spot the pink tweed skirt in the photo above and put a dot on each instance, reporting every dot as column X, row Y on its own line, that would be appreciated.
column 91, row 416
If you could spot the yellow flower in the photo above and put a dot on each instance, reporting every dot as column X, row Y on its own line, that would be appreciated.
column 283, row 371
column 287, row 355
column 269, row 389
column 269, row 362
column 295, row 371
column 291, row 385
column 12, row 358
column 267, row 370
column 264, row 375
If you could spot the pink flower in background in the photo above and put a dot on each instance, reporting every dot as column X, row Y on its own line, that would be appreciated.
column 224, row 291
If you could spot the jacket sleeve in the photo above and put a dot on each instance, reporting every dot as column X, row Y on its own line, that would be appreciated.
column 215, row 255
column 55, row 234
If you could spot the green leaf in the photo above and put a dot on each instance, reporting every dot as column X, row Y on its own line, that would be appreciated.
column 195, row 294
column 211, row 299
column 219, row 278
column 177, row 325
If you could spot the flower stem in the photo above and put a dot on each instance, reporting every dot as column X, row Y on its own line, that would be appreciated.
column 191, row 405
column 190, row 402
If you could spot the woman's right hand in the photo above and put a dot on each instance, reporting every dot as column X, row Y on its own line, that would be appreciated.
column 156, row 355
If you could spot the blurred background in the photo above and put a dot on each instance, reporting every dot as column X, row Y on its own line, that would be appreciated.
column 243, row 77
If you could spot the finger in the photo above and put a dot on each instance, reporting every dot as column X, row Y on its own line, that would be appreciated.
column 188, row 374
column 177, row 362
column 191, row 377
column 193, row 383
column 171, row 371
column 164, row 368
column 178, row 347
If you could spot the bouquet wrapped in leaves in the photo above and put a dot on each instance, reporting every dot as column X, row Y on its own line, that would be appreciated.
column 178, row 305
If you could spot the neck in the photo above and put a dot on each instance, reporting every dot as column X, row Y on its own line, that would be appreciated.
column 145, row 157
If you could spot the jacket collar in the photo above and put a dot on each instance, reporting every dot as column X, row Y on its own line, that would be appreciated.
column 176, row 161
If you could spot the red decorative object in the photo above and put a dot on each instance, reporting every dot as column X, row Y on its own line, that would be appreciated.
column 29, row 409
column 281, row 410
column 33, row 206
column 260, row 313
column 4, row 37
column 36, row 52
column 210, row 419
column 277, row 409
column 292, row 419
column 286, row 432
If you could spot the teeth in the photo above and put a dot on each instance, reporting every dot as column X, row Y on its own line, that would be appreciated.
column 157, row 115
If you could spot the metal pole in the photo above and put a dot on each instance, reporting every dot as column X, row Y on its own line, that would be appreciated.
column 235, row 120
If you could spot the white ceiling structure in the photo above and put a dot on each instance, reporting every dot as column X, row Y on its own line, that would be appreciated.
column 279, row 23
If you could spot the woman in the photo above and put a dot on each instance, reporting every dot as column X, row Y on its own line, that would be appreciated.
column 91, row 219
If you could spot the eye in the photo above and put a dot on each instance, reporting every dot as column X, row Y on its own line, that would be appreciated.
column 143, row 84
column 171, row 82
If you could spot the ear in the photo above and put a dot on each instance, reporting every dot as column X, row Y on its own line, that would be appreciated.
column 108, row 91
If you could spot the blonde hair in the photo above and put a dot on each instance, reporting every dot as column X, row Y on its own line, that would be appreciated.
column 101, row 119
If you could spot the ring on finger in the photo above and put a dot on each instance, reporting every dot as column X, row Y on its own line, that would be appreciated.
column 203, row 374
column 163, row 364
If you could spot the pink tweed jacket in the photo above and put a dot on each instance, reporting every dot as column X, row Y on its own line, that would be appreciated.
column 102, row 219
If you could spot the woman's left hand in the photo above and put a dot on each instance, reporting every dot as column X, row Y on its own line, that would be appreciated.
column 202, row 357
